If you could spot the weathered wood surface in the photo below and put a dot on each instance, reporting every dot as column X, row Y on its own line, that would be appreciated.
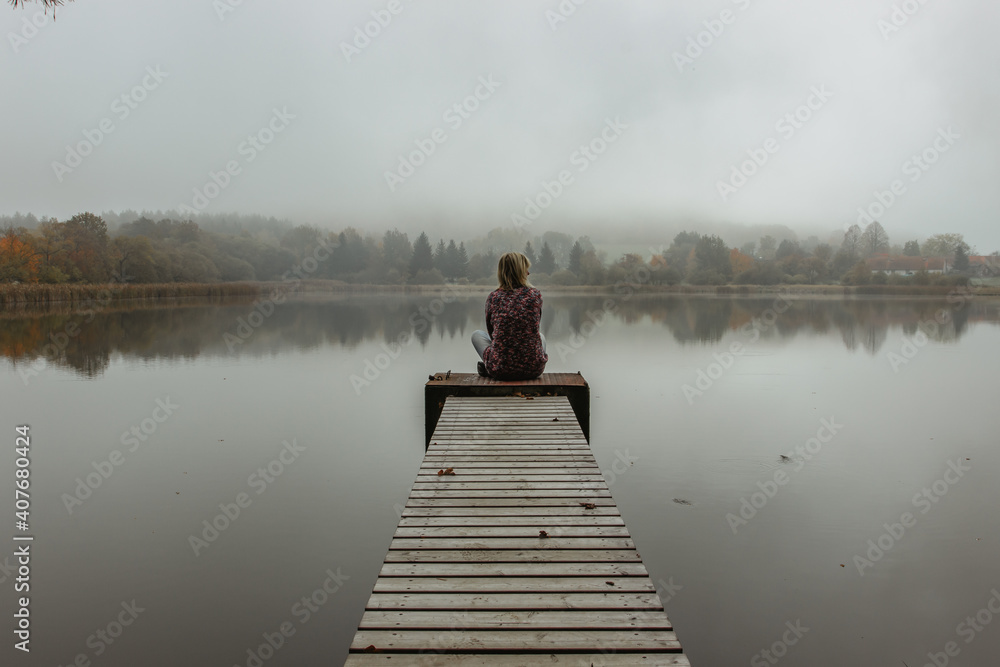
column 517, row 556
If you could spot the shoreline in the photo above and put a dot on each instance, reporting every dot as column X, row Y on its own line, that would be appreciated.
column 20, row 296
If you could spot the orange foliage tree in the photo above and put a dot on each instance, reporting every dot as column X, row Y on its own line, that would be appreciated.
column 741, row 262
column 19, row 260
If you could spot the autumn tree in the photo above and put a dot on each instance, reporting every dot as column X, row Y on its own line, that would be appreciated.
column 19, row 261
column 86, row 238
column 131, row 260
column 740, row 261
column 396, row 253
column 851, row 245
column 943, row 245
column 874, row 239
column 680, row 251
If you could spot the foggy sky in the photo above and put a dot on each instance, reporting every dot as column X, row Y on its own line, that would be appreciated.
column 556, row 85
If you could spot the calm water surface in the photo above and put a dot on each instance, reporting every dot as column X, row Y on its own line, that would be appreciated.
column 885, row 420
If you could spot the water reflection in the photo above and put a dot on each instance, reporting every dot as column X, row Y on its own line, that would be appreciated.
column 86, row 341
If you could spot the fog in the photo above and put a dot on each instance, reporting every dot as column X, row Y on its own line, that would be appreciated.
column 292, row 110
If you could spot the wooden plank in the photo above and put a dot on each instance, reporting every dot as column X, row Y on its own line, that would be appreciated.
column 509, row 511
column 491, row 543
column 539, row 660
column 581, row 494
column 515, row 484
column 510, row 501
column 510, row 531
column 527, row 641
column 532, row 477
column 543, row 521
column 513, row 584
column 513, row 465
column 513, row 556
column 527, row 620
column 432, row 459
column 516, row 601
column 534, row 569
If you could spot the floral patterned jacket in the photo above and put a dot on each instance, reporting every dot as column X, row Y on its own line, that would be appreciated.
column 512, row 318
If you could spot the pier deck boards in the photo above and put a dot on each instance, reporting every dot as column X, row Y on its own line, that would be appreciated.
column 519, row 558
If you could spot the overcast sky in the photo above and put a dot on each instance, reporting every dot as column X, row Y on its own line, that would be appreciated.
column 339, row 110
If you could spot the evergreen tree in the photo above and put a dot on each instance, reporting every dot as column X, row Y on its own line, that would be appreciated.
column 962, row 257
column 912, row 249
column 575, row 255
column 439, row 258
column 462, row 269
column 547, row 261
column 529, row 252
column 423, row 258
column 451, row 261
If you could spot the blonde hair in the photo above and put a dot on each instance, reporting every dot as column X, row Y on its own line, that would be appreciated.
column 512, row 270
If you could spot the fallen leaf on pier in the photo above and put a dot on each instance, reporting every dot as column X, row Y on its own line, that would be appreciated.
column 446, row 471
column 589, row 506
column 542, row 533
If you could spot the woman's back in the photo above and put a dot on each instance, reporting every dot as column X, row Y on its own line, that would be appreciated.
column 512, row 318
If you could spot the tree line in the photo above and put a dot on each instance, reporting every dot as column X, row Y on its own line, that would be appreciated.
column 83, row 250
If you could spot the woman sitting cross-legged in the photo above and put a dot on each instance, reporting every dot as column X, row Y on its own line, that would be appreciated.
column 512, row 348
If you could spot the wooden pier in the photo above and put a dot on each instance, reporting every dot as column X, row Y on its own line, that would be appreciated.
column 511, row 552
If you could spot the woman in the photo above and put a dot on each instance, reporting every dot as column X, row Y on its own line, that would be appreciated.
column 512, row 348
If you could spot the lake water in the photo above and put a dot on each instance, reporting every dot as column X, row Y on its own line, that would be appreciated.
column 879, row 538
